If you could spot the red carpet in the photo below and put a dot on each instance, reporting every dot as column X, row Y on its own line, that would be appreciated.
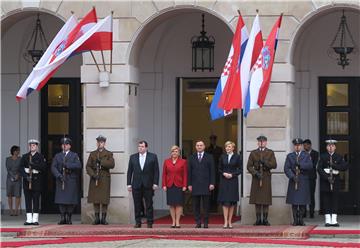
column 189, row 219
column 56, row 231
column 10, row 229
column 214, row 239
column 335, row 232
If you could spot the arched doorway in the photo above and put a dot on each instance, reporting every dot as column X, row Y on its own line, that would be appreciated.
column 326, row 95
column 172, row 104
column 32, row 118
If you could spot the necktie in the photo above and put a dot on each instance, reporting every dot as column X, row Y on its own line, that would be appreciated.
column 199, row 157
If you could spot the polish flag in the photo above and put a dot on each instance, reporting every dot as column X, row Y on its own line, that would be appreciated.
column 262, row 69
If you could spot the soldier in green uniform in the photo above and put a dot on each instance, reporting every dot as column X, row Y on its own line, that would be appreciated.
column 98, row 168
column 260, row 162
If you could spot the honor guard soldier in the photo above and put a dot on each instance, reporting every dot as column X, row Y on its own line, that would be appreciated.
column 32, row 168
column 330, row 165
column 261, row 162
column 98, row 168
column 297, row 167
column 66, row 168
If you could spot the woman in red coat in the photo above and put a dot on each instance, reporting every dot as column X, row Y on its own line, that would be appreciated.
column 174, row 182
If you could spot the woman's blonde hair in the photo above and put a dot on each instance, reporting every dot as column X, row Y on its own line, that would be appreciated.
column 175, row 148
column 229, row 143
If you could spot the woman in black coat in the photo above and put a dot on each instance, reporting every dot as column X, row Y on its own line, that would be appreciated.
column 230, row 167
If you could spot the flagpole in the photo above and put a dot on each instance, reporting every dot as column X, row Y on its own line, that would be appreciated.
column 92, row 54
column 102, row 55
column 111, row 51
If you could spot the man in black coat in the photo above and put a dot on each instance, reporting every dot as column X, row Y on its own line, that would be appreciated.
column 201, row 181
column 314, row 155
column 32, row 168
column 142, row 181
column 330, row 165
column 66, row 168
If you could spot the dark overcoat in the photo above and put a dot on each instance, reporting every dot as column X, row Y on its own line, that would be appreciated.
column 229, row 188
column 261, row 195
column 72, row 166
column 314, row 155
column 301, row 196
column 201, row 174
column 101, row 193
column 338, row 164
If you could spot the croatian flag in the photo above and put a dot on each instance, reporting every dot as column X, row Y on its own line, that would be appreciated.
column 252, row 51
column 262, row 69
column 228, row 91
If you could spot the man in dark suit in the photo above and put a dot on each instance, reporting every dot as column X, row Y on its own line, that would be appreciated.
column 314, row 155
column 142, row 181
column 201, row 181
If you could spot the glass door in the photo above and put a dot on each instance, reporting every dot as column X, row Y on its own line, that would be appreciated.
column 340, row 120
column 61, row 114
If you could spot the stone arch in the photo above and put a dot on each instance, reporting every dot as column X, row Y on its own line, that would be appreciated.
column 311, row 18
column 149, row 24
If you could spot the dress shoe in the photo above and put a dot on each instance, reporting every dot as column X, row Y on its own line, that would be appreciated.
column 62, row 220
column 137, row 225
column 206, row 226
column 177, row 226
column 198, row 226
column 173, row 226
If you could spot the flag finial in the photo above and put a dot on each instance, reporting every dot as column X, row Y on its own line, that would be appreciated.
column 257, row 11
column 239, row 12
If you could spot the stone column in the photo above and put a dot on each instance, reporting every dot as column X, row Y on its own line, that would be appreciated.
column 274, row 120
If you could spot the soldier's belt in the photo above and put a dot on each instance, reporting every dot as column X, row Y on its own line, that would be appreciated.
column 27, row 170
column 335, row 172
column 68, row 171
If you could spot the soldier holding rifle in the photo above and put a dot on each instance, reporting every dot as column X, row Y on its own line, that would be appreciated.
column 297, row 166
column 32, row 168
column 66, row 168
column 260, row 162
column 98, row 168
column 330, row 165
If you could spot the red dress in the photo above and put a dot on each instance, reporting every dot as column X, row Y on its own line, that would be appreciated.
column 174, row 177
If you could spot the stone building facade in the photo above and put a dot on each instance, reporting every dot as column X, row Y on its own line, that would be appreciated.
column 150, row 42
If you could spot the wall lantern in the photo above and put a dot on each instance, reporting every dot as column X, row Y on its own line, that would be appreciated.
column 203, row 50
column 343, row 43
column 37, row 44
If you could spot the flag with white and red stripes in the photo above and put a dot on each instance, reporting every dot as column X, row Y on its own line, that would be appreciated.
column 262, row 69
